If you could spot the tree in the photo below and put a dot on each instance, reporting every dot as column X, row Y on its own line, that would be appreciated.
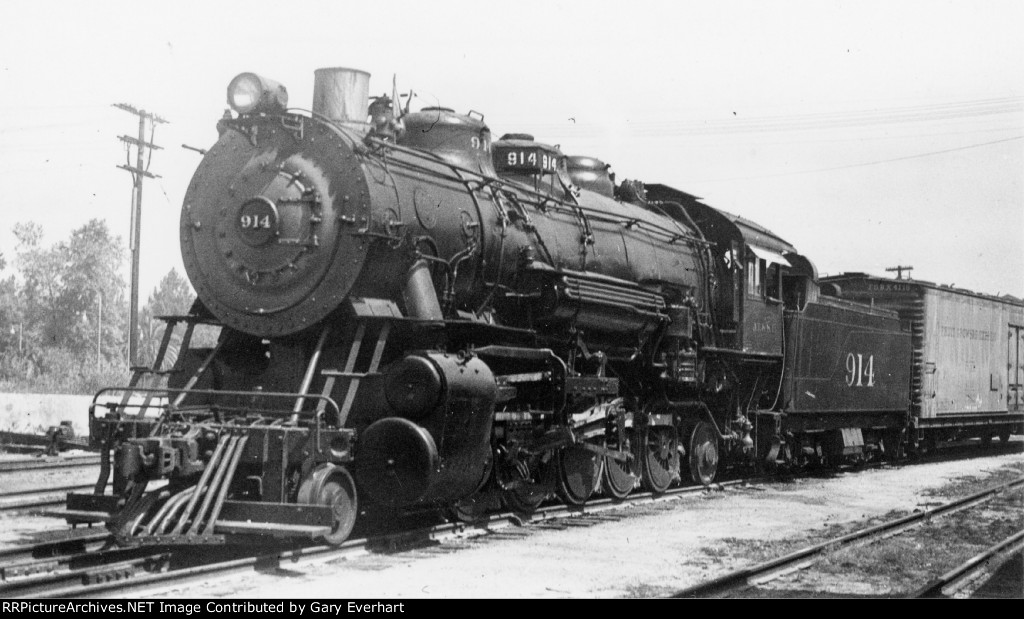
column 12, row 320
column 172, row 297
column 73, row 290
column 40, row 274
column 94, row 290
column 68, row 304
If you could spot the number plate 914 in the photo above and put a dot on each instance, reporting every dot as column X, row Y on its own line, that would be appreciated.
column 257, row 221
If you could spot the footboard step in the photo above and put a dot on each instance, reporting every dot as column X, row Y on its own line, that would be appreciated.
column 271, row 528
column 78, row 515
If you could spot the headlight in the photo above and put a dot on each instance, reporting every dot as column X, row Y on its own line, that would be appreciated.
column 249, row 93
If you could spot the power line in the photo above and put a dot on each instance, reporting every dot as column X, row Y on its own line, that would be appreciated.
column 835, row 120
column 661, row 124
column 859, row 165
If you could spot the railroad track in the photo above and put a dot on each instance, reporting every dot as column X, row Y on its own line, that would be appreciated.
column 36, row 464
column 118, row 572
column 97, row 569
column 22, row 500
column 36, row 498
column 61, row 543
column 764, row 572
column 974, row 571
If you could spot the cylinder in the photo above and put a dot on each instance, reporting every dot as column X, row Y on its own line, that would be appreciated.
column 413, row 387
column 342, row 95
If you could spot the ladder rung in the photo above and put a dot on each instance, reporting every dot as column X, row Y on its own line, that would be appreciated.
column 341, row 374
column 147, row 370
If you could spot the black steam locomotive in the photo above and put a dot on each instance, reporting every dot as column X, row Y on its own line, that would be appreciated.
column 413, row 316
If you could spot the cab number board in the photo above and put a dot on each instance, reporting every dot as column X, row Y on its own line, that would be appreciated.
column 527, row 160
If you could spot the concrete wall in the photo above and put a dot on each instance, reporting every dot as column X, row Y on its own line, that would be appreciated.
column 33, row 413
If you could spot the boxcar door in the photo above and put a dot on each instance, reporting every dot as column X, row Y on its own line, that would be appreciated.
column 1015, row 369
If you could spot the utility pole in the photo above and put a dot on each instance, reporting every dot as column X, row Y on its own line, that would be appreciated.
column 139, row 172
column 899, row 270
column 99, row 326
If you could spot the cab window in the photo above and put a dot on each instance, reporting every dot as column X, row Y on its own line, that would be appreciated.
column 756, row 277
column 772, row 282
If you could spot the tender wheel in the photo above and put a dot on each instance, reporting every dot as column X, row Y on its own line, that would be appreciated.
column 1004, row 436
column 659, row 459
column 703, row 456
column 894, row 450
column 332, row 486
column 578, row 472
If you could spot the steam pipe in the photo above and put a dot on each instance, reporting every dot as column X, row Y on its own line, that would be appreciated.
column 419, row 294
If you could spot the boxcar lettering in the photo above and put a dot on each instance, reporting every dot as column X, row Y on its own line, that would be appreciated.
column 883, row 287
column 967, row 334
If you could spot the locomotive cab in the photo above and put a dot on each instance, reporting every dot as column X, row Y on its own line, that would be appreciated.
column 758, row 275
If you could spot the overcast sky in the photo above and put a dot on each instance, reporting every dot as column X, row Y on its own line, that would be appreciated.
column 867, row 134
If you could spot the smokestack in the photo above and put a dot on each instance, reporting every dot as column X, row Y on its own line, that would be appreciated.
column 342, row 95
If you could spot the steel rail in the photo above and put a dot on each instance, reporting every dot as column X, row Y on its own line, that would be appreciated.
column 28, row 499
column 416, row 538
column 115, row 564
column 72, row 542
column 34, row 559
column 19, row 493
column 15, row 466
column 967, row 572
column 768, row 570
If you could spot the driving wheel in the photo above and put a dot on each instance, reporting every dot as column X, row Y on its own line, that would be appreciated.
column 658, row 458
column 618, row 477
column 579, row 472
column 703, row 456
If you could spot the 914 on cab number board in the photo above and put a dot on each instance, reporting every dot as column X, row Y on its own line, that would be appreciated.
column 526, row 160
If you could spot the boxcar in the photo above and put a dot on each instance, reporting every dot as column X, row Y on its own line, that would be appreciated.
column 967, row 370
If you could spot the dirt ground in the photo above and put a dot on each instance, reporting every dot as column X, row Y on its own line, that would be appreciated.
column 653, row 550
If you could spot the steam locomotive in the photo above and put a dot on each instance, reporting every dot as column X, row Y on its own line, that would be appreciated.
column 413, row 316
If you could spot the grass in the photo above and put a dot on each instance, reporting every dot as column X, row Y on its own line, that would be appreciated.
column 900, row 563
column 922, row 553
column 970, row 484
